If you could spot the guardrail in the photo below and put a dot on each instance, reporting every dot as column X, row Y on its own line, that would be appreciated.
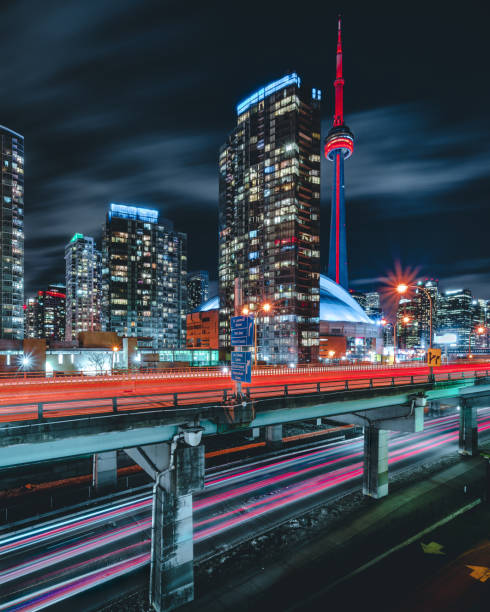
column 41, row 411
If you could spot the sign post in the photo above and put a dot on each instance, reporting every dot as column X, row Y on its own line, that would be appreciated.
column 242, row 335
column 241, row 366
column 434, row 357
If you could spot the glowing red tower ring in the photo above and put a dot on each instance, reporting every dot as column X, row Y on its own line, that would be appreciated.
column 342, row 139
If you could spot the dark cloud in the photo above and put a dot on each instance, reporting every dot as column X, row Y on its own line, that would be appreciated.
column 129, row 101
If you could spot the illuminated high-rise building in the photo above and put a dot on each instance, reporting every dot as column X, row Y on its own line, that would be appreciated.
column 45, row 314
column 11, row 234
column 144, row 274
column 83, row 267
column 197, row 289
column 269, row 219
column 455, row 310
column 339, row 145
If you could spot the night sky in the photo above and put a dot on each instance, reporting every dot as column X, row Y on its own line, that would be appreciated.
column 129, row 101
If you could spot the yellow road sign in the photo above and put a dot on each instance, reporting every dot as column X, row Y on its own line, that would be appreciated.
column 434, row 357
column 433, row 548
column 479, row 572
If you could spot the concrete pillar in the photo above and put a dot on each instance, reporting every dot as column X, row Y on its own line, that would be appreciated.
column 435, row 407
column 468, row 429
column 375, row 476
column 255, row 432
column 172, row 550
column 273, row 435
column 104, row 472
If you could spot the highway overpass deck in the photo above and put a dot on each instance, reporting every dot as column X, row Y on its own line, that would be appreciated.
column 54, row 428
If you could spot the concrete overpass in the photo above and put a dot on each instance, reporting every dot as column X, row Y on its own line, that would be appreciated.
column 162, row 432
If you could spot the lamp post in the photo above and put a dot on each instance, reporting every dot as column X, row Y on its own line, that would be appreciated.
column 246, row 311
column 477, row 330
column 115, row 349
column 403, row 288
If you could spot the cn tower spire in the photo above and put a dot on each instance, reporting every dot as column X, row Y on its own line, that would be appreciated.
column 338, row 118
column 339, row 145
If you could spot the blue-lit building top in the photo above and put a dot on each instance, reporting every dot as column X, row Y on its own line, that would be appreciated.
column 124, row 211
column 263, row 92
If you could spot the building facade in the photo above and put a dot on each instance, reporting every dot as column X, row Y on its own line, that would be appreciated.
column 83, row 276
column 45, row 314
column 269, row 219
column 202, row 330
column 12, row 234
column 144, row 275
column 197, row 289
column 455, row 316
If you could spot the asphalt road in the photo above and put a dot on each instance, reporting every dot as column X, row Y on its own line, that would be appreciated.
column 449, row 569
column 19, row 399
column 49, row 562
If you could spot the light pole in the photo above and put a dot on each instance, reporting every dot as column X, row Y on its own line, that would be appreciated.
column 403, row 288
column 246, row 311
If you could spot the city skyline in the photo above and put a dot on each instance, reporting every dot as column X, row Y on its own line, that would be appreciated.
column 394, row 182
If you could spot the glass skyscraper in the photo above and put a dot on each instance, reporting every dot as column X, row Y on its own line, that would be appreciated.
column 12, row 234
column 83, row 265
column 197, row 289
column 269, row 219
column 144, row 274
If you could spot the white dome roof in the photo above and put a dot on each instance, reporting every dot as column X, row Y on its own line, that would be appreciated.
column 335, row 304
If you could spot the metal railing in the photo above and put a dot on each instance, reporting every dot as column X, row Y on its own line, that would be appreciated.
column 202, row 400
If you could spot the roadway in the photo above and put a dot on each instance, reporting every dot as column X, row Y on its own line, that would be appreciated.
column 48, row 562
column 19, row 399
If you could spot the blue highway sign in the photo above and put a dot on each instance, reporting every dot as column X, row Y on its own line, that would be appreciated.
column 241, row 366
column 242, row 331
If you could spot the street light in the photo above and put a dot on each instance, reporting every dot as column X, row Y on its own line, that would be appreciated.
column 115, row 349
column 403, row 288
column 267, row 307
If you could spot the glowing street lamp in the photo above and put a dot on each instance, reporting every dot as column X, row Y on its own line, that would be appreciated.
column 115, row 350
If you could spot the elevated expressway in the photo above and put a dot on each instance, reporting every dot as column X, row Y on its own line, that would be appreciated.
column 160, row 423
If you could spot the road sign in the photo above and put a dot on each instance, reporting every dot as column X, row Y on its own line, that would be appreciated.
column 434, row 357
column 242, row 331
column 241, row 366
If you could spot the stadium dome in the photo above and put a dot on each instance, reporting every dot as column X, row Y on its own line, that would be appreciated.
column 335, row 304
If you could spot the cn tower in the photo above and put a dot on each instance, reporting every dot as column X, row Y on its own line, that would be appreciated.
column 339, row 145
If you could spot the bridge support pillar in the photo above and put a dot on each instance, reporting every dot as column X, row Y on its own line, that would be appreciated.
column 468, row 429
column 435, row 407
column 273, row 435
column 375, row 476
column 177, row 471
column 104, row 472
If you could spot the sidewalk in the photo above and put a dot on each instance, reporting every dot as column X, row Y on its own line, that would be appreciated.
column 305, row 578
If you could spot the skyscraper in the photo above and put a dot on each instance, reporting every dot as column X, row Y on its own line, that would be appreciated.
column 269, row 218
column 339, row 145
column 197, row 289
column 144, row 276
column 83, row 266
column 12, row 234
column 45, row 314
column 455, row 316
